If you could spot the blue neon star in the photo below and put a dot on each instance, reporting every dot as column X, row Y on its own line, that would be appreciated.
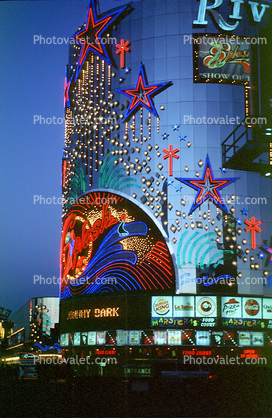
column 182, row 137
column 244, row 211
column 239, row 221
column 261, row 254
column 175, row 127
column 269, row 250
column 91, row 36
column 223, row 170
column 178, row 188
column 127, row 70
column 169, row 182
column 165, row 136
column 142, row 94
column 208, row 187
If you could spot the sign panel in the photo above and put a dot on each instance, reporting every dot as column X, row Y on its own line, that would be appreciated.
column 206, row 306
column 184, row 306
column 134, row 337
column 258, row 338
column 244, row 338
column 174, row 337
column 231, row 307
column 252, row 308
column 91, row 337
column 122, row 337
column 267, row 308
column 184, row 311
column 161, row 307
column 202, row 338
column 4, row 313
column 219, row 59
column 160, row 337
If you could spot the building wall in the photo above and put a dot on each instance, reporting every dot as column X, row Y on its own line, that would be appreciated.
column 128, row 143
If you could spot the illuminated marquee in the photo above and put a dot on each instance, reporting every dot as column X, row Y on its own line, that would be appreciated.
column 107, row 236
column 219, row 59
column 97, row 313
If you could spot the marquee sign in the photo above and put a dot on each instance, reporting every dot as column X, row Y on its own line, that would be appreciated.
column 246, row 312
column 202, row 312
column 221, row 59
column 184, row 311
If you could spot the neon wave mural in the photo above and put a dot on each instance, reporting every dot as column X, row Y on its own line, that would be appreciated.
column 111, row 245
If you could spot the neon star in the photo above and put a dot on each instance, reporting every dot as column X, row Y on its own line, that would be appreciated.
column 66, row 91
column 269, row 250
column 244, row 211
column 141, row 95
column 253, row 228
column 175, row 127
column 171, row 153
column 91, row 36
column 165, row 136
column 182, row 137
column 238, row 221
column 208, row 187
column 121, row 50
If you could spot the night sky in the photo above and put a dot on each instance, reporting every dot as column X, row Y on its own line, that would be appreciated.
column 32, row 83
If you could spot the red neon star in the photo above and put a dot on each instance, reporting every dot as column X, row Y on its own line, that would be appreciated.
column 121, row 50
column 66, row 91
column 253, row 228
column 171, row 153
column 90, row 37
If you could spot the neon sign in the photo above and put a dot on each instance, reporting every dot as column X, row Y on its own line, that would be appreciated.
column 56, row 346
column 97, row 313
column 102, row 238
column 256, row 12
column 208, row 187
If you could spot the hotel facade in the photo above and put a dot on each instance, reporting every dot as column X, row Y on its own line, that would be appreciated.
column 166, row 174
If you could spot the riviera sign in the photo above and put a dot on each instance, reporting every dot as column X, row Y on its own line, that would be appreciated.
column 257, row 11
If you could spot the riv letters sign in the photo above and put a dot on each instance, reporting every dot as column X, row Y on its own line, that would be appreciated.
column 257, row 11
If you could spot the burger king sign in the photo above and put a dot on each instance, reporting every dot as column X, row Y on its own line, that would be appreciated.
column 162, row 306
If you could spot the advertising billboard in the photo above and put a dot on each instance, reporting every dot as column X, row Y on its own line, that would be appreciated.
column 221, row 59
column 184, row 311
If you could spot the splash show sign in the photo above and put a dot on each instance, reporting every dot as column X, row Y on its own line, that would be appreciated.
column 111, row 245
column 220, row 59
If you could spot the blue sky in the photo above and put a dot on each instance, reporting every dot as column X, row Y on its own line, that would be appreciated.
column 32, row 82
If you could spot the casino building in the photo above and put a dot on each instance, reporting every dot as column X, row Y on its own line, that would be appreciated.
column 166, row 173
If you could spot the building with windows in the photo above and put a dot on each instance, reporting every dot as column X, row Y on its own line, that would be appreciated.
column 36, row 322
column 166, row 173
